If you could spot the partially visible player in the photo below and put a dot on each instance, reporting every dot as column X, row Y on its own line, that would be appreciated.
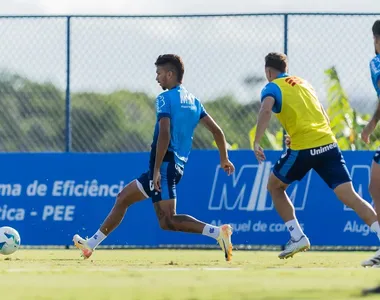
column 312, row 145
column 178, row 114
column 374, row 185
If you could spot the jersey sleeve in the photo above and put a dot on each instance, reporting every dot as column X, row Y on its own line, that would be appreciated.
column 203, row 112
column 375, row 73
column 163, row 106
column 273, row 90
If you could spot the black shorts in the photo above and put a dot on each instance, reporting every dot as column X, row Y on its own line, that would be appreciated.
column 171, row 174
column 326, row 160
column 376, row 157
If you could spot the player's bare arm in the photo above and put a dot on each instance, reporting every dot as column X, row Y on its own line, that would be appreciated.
column 370, row 127
column 220, row 141
column 162, row 147
column 262, row 124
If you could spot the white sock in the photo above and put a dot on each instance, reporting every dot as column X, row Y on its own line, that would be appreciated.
column 96, row 239
column 375, row 227
column 211, row 231
column 294, row 229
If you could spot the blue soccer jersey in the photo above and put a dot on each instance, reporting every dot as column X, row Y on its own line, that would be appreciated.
column 375, row 73
column 185, row 112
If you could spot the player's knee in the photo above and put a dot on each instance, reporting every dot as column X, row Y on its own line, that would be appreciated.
column 167, row 223
column 165, row 212
column 164, row 225
column 270, row 187
column 374, row 190
column 122, row 201
column 273, row 187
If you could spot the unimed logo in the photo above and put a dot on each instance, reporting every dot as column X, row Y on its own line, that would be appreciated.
column 246, row 189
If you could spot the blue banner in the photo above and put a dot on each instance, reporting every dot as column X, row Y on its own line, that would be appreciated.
column 50, row 197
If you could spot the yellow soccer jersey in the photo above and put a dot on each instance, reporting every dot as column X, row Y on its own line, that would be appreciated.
column 299, row 112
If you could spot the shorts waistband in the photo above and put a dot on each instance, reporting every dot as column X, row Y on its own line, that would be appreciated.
column 323, row 149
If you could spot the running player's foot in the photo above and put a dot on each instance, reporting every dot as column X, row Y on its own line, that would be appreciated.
column 373, row 261
column 224, row 240
column 82, row 245
column 293, row 247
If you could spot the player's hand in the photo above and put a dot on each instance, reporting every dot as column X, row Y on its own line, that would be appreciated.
column 367, row 131
column 259, row 153
column 157, row 180
column 227, row 166
column 288, row 141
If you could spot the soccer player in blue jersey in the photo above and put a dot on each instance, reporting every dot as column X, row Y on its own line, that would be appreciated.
column 178, row 114
column 374, row 186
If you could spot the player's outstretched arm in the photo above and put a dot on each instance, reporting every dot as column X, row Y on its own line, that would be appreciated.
column 220, row 141
column 262, row 124
column 370, row 127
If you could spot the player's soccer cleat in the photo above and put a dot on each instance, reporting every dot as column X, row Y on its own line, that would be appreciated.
column 293, row 247
column 82, row 245
column 373, row 261
column 224, row 240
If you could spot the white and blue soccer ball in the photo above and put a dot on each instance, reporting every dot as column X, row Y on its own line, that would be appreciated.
column 9, row 240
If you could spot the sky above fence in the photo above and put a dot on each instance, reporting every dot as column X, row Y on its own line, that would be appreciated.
column 182, row 7
column 109, row 54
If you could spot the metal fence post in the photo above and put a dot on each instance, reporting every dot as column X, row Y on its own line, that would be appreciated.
column 285, row 52
column 68, row 98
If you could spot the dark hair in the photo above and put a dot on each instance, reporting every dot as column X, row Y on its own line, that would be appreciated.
column 376, row 28
column 278, row 61
column 175, row 62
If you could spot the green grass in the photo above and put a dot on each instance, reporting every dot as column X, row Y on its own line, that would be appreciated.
column 183, row 274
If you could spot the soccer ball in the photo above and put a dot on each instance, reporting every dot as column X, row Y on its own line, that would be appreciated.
column 9, row 240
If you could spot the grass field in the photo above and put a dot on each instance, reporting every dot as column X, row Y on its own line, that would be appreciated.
column 183, row 274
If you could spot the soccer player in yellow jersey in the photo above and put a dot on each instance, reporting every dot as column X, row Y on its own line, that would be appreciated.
column 312, row 146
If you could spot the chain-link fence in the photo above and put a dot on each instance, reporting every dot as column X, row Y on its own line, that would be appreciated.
column 88, row 84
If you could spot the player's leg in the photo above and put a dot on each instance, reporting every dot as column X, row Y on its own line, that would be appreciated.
column 165, row 207
column 331, row 167
column 349, row 197
column 374, row 189
column 374, row 185
column 290, row 167
column 137, row 190
column 170, row 220
column 346, row 193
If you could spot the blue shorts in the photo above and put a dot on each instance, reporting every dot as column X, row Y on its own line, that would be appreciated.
column 326, row 160
column 376, row 157
column 171, row 174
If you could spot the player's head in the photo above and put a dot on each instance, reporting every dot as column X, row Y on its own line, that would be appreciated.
column 275, row 63
column 170, row 70
column 376, row 36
